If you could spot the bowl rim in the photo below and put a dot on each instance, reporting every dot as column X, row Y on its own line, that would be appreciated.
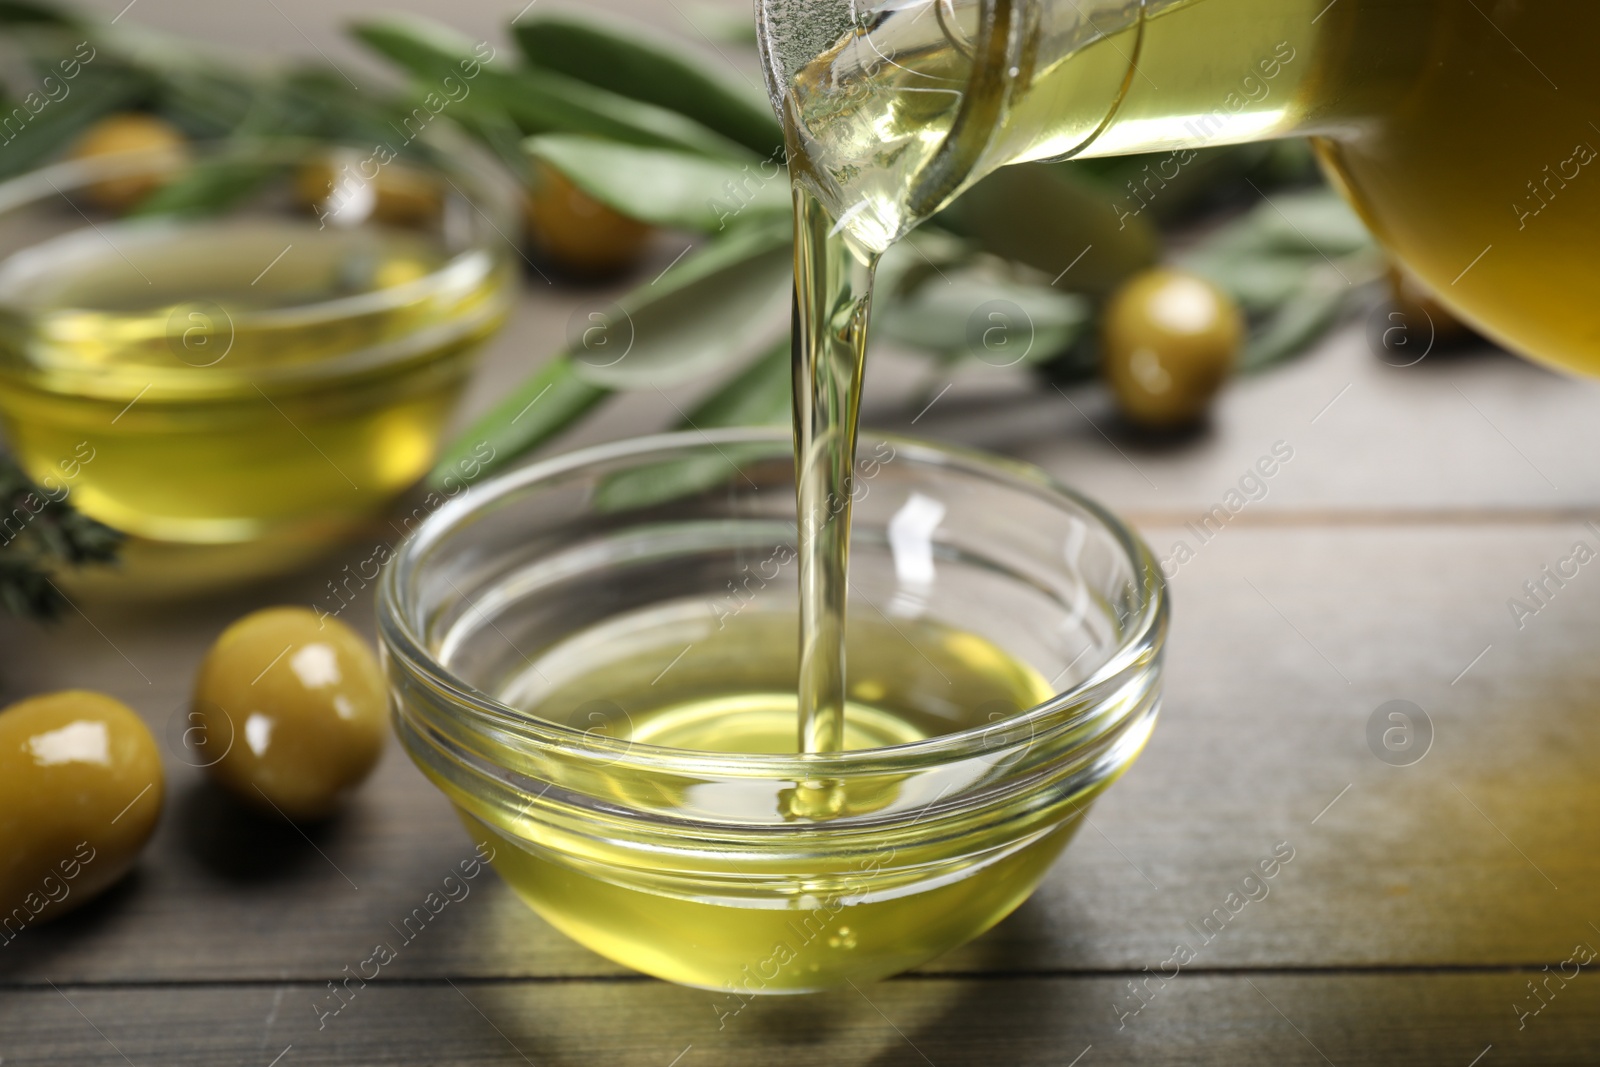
column 479, row 257
column 1140, row 646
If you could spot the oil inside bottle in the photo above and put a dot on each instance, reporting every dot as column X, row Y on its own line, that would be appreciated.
column 1461, row 132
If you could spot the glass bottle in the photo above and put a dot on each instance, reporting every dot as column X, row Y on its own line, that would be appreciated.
column 1464, row 131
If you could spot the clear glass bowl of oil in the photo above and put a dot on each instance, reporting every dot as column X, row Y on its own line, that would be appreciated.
column 595, row 659
column 239, row 354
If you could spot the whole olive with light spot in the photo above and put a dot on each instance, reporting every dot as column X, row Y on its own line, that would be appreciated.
column 162, row 147
column 1169, row 340
column 289, row 711
column 350, row 188
column 80, row 792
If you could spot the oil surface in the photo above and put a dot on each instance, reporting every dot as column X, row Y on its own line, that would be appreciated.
column 219, row 407
column 787, row 909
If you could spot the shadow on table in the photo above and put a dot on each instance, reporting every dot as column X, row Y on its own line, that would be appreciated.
column 239, row 843
column 948, row 1019
column 33, row 947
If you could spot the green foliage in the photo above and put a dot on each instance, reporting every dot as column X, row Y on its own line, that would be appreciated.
column 680, row 190
column 39, row 532
column 541, row 407
column 1046, row 216
column 983, row 309
column 691, row 320
column 649, row 68
column 758, row 396
column 24, row 13
column 537, row 100
column 1293, row 263
column 695, row 318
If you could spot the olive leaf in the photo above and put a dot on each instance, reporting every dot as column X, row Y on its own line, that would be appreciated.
column 205, row 104
column 538, row 101
column 55, row 533
column 502, row 137
column 1318, row 221
column 664, row 187
column 617, row 57
column 320, row 104
column 1312, row 226
column 1293, row 263
column 983, row 311
column 699, row 315
column 542, row 102
column 24, row 13
column 209, row 187
column 95, row 93
column 1297, row 322
column 760, row 395
column 910, row 261
column 692, row 318
column 1055, row 221
column 537, row 410
column 1258, row 283
column 1174, row 187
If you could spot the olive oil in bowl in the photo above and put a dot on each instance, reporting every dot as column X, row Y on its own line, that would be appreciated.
column 251, row 385
column 608, row 695
column 798, row 915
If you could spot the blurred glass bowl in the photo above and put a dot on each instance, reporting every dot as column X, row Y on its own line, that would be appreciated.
column 238, row 353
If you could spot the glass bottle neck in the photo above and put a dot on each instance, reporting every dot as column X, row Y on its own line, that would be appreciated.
column 918, row 99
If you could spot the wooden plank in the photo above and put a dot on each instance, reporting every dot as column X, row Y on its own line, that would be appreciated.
column 1469, row 857
column 1239, row 1021
column 1477, row 429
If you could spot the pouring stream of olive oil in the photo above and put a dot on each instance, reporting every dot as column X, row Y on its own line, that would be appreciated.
column 1463, row 136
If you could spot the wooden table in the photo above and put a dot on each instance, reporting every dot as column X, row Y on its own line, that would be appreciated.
column 1421, row 905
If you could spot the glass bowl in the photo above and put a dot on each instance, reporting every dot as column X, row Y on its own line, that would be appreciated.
column 594, row 659
column 237, row 353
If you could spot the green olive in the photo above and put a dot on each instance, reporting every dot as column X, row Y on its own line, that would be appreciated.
column 80, row 792
column 578, row 233
column 128, row 132
column 1169, row 340
column 400, row 195
column 289, row 711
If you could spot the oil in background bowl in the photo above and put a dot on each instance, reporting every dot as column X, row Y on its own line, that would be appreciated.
column 236, row 392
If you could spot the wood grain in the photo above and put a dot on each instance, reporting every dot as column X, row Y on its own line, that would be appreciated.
column 1420, row 901
column 1259, row 1020
column 1470, row 857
